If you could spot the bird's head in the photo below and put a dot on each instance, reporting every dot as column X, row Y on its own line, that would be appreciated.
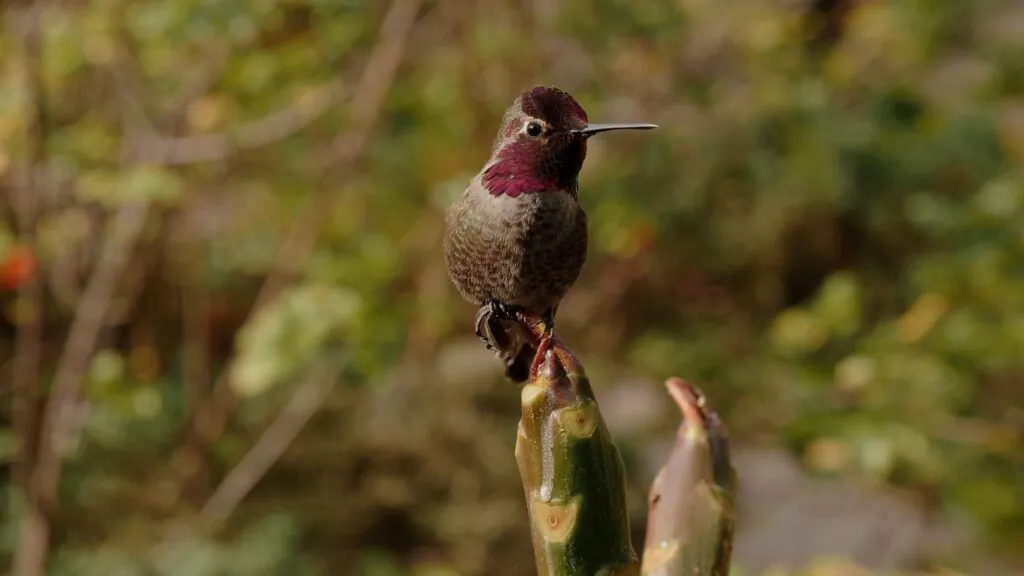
column 542, row 144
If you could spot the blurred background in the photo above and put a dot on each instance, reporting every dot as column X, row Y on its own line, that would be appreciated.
column 229, row 344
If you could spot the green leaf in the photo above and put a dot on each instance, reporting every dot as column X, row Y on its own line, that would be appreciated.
column 8, row 446
column 289, row 333
column 135, row 184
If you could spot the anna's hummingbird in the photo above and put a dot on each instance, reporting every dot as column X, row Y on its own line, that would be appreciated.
column 516, row 240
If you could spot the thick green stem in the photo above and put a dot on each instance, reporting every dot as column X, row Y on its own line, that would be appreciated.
column 572, row 474
column 691, row 519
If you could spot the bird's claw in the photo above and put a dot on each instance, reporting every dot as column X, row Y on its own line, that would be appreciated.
column 543, row 346
column 483, row 317
column 544, row 343
column 492, row 332
column 489, row 327
column 505, row 311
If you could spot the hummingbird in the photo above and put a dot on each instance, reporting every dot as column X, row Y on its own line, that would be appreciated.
column 516, row 239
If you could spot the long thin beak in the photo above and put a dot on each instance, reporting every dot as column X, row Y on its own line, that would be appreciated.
column 592, row 129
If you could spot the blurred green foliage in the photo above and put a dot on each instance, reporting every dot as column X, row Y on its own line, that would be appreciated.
column 825, row 233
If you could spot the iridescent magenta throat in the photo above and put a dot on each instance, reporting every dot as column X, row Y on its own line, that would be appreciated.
column 512, row 177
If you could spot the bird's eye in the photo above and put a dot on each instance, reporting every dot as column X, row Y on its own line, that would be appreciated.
column 533, row 129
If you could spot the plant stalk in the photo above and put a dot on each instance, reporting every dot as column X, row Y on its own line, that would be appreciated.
column 572, row 474
column 691, row 517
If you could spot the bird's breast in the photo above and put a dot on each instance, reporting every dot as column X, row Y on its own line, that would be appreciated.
column 523, row 250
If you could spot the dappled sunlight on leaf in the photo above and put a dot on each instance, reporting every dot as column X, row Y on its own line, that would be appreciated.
column 289, row 333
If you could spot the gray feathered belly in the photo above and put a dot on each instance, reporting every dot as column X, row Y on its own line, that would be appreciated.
column 526, row 251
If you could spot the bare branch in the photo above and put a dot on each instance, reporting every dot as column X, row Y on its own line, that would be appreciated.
column 364, row 109
column 195, row 306
column 33, row 536
column 203, row 81
column 216, row 147
column 306, row 401
column 376, row 80
column 92, row 309
column 27, row 344
column 59, row 426
column 33, row 544
column 155, row 148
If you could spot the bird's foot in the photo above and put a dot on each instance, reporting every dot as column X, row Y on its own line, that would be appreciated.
column 491, row 330
column 505, row 311
column 542, row 349
column 482, row 326
column 488, row 324
column 544, row 343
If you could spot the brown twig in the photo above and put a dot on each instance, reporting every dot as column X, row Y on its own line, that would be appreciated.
column 202, row 82
column 258, row 133
column 85, row 328
column 364, row 109
column 195, row 306
column 58, row 427
column 30, row 553
column 305, row 402
column 128, row 75
column 25, row 365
